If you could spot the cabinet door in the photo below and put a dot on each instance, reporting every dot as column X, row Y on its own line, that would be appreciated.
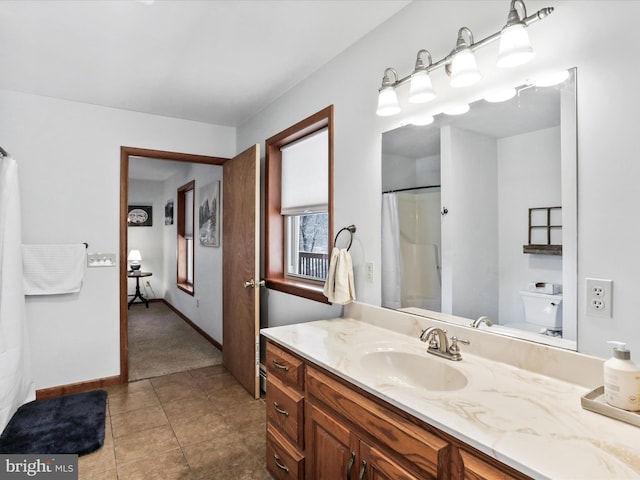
column 377, row 465
column 330, row 448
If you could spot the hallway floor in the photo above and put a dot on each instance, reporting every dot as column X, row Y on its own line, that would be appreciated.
column 198, row 424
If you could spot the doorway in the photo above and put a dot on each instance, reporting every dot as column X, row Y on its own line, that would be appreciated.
column 125, row 154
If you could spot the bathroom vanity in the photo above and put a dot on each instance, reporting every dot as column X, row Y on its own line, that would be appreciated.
column 358, row 397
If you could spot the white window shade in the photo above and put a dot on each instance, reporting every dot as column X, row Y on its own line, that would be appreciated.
column 305, row 175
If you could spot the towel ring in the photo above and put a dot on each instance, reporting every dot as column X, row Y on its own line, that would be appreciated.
column 351, row 229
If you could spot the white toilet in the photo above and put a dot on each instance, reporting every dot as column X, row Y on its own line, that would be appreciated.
column 542, row 312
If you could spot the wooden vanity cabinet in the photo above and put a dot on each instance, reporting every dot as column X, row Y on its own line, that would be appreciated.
column 383, row 444
column 285, row 414
column 334, row 431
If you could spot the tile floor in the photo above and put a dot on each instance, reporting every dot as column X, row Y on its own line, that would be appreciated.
column 199, row 424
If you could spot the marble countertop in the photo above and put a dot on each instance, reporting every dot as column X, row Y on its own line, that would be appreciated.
column 532, row 422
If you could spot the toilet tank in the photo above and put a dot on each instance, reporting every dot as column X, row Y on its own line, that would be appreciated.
column 542, row 309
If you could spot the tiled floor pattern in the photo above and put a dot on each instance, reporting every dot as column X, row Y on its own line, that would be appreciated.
column 199, row 424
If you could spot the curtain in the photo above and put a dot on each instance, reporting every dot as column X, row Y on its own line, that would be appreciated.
column 391, row 261
column 16, row 384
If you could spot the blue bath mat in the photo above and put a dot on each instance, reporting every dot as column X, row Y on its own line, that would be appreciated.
column 73, row 424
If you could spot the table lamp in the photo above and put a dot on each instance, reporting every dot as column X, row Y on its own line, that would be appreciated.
column 134, row 259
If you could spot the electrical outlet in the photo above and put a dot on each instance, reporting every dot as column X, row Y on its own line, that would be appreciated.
column 368, row 268
column 599, row 297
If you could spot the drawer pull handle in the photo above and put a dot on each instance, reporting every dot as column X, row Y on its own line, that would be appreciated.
column 279, row 410
column 280, row 465
column 350, row 465
column 364, row 467
column 279, row 366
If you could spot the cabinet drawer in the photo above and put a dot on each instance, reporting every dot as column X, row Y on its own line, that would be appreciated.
column 418, row 447
column 474, row 468
column 284, row 461
column 284, row 366
column 285, row 410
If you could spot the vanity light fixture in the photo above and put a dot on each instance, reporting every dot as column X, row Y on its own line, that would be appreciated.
column 463, row 68
column 460, row 64
column 387, row 98
column 421, row 89
column 515, row 48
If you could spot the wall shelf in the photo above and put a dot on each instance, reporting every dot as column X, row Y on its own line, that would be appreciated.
column 542, row 249
column 545, row 231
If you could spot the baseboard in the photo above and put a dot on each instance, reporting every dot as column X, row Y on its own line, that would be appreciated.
column 207, row 337
column 77, row 387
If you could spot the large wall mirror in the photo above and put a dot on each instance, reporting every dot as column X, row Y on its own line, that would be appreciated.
column 480, row 215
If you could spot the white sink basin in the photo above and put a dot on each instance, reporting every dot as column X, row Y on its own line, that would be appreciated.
column 413, row 370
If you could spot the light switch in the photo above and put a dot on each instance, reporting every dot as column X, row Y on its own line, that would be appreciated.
column 101, row 260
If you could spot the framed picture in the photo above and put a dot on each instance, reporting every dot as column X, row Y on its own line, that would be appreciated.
column 168, row 213
column 209, row 215
column 140, row 216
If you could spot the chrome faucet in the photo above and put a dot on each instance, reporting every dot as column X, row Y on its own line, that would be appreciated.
column 438, row 343
column 476, row 323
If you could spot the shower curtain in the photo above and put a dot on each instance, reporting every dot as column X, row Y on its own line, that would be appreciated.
column 16, row 384
column 391, row 262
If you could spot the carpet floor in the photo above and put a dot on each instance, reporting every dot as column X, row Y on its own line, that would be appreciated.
column 161, row 343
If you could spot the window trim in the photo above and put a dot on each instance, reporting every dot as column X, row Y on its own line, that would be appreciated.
column 181, row 267
column 274, row 252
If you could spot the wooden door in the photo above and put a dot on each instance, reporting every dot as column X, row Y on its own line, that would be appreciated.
column 330, row 450
column 240, row 243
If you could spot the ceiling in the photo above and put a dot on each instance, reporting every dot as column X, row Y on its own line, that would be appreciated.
column 215, row 61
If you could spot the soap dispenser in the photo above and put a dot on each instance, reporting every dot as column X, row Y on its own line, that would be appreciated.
column 622, row 379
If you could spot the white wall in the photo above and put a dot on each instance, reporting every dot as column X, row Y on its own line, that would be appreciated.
column 69, row 169
column 428, row 171
column 469, row 173
column 592, row 35
column 529, row 176
column 398, row 172
column 204, row 307
column 148, row 239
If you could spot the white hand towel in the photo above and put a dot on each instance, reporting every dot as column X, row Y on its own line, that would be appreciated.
column 339, row 288
column 53, row 269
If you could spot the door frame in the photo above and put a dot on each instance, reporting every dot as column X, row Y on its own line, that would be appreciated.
column 125, row 153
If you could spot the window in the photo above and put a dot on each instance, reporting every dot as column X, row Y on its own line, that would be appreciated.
column 307, row 246
column 299, row 217
column 185, row 237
